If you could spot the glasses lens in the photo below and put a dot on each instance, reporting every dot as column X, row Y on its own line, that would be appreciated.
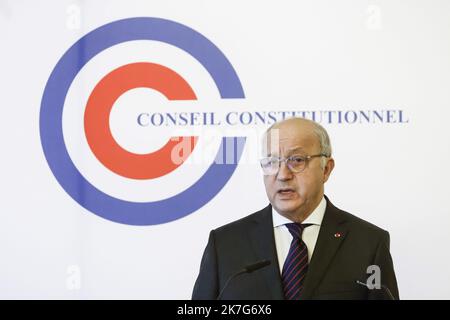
column 296, row 163
column 269, row 165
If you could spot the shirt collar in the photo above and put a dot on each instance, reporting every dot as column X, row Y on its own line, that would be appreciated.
column 315, row 217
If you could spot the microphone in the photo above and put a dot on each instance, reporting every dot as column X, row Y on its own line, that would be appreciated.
column 247, row 269
column 385, row 289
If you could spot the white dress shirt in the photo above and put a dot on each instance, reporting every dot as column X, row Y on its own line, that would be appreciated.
column 283, row 237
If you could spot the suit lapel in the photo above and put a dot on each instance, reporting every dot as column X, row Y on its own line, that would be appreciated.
column 263, row 242
column 331, row 235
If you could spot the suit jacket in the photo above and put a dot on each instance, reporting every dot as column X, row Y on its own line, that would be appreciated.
column 345, row 247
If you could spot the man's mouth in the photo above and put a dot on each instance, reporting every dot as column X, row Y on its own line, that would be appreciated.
column 286, row 191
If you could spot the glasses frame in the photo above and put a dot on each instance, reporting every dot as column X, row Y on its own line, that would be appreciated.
column 286, row 159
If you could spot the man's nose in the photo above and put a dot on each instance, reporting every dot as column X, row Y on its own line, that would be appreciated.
column 284, row 173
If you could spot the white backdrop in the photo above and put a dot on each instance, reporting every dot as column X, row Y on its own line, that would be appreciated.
column 289, row 55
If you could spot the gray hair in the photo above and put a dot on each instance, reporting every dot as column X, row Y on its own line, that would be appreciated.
column 324, row 141
column 320, row 132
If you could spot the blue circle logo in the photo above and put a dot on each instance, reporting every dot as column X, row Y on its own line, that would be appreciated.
column 51, row 127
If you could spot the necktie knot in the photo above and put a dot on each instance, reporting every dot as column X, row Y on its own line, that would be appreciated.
column 296, row 229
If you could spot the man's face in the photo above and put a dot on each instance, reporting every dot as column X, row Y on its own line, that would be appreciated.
column 296, row 195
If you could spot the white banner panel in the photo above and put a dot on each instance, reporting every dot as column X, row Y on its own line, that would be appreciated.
column 91, row 206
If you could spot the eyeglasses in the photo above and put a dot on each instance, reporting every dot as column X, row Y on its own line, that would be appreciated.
column 296, row 163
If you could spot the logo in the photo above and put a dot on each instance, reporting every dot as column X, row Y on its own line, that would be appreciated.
column 98, row 132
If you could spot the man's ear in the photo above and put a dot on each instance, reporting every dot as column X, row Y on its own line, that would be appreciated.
column 327, row 170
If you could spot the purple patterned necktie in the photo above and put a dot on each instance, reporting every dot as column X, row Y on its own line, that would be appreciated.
column 296, row 264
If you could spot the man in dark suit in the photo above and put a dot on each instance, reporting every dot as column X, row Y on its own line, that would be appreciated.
column 316, row 250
